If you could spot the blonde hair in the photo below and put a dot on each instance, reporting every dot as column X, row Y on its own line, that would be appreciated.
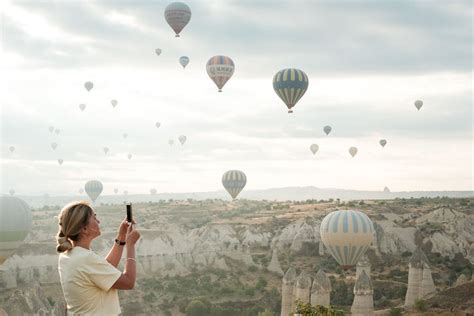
column 73, row 217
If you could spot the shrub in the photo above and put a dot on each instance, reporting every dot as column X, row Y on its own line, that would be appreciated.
column 420, row 305
column 395, row 311
column 197, row 308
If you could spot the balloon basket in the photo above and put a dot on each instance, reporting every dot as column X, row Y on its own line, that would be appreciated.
column 220, row 90
column 290, row 111
column 177, row 35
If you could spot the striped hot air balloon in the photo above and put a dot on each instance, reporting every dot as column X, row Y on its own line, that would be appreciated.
column 347, row 234
column 93, row 189
column 178, row 15
column 290, row 85
column 15, row 223
column 234, row 181
column 220, row 69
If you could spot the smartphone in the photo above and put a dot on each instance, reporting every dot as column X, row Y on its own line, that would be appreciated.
column 129, row 212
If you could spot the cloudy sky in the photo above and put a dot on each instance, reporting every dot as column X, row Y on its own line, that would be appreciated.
column 367, row 62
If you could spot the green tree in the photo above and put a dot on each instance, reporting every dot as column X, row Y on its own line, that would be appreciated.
column 309, row 310
column 267, row 312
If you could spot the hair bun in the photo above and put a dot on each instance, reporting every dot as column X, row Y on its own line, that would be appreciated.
column 63, row 244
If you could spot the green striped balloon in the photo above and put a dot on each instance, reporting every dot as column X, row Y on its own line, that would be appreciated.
column 234, row 181
column 290, row 85
column 93, row 189
column 15, row 224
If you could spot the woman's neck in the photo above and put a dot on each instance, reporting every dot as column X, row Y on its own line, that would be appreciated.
column 83, row 244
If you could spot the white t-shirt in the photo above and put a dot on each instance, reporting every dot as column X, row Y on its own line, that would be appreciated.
column 86, row 279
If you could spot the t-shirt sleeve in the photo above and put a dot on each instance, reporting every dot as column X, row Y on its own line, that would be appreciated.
column 100, row 272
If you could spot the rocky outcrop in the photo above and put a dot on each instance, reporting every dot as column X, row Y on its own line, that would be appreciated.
column 363, row 304
column 321, row 289
column 274, row 265
column 288, row 284
column 394, row 239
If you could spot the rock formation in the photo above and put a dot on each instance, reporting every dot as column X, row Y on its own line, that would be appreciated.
column 303, row 288
column 274, row 265
column 363, row 304
column 288, row 283
column 321, row 289
column 363, row 265
column 420, row 281
column 427, row 287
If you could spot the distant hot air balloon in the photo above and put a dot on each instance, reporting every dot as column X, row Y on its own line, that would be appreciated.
column 327, row 129
column 182, row 139
column 177, row 14
column 234, row 181
column 290, row 85
column 60, row 161
column 171, row 142
column 81, row 190
column 353, row 151
column 15, row 224
column 106, row 150
column 383, row 142
column 386, row 190
column 114, row 103
column 51, row 129
column 184, row 60
column 314, row 148
column 11, row 148
column 158, row 51
column 54, row 146
column 124, row 135
column 129, row 156
column 347, row 234
column 116, row 190
column 220, row 69
column 418, row 104
column 157, row 124
column 12, row 192
column 125, row 192
column 57, row 131
column 82, row 107
column 93, row 189
column 153, row 191
column 88, row 85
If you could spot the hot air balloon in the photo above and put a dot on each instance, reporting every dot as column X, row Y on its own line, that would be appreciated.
column 157, row 124
column 171, row 142
column 114, row 103
column 383, row 142
column 57, row 131
column 60, row 161
column 177, row 14
column 15, row 223
column 125, row 192
column 353, row 151
column 12, row 148
column 93, row 189
column 386, row 190
column 81, row 190
column 347, row 234
column 82, row 107
column 314, row 148
column 51, row 129
column 88, row 85
column 290, row 85
column 184, row 60
column 220, row 69
column 54, row 146
column 327, row 129
column 158, row 51
column 116, row 190
column 124, row 135
column 129, row 156
column 182, row 139
column 106, row 150
column 234, row 181
column 153, row 191
column 418, row 104
column 12, row 192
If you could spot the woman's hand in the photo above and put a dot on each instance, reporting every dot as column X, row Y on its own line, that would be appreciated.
column 132, row 235
column 123, row 230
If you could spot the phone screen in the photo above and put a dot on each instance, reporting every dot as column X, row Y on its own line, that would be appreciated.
column 129, row 212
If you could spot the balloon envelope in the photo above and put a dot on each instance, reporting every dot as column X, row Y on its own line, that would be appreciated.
column 116, row 191
column 184, row 60
column 81, row 190
column 129, row 156
column 290, row 85
column 124, row 135
column 12, row 192
column 114, row 103
column 54, row 146
column 15, row 223
column 178, row 15
column 60, row 161
column 12, row 148
column 353, row 151
column 234, row 181
column 383, row 142
column 51, row 129
column 220, row 69
column 106, row 150
column 327, row 129
column 158, row 51
column 171, row 142
column 347, row 234
column 57, row 131
column 88, row 85
column 153, row 191
column 314, row 148
column 182, row 139
column 93, row 189
column 82, row 107
column 157, row 124
column 418, row 104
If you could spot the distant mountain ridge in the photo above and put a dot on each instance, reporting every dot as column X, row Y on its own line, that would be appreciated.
column 278, row 194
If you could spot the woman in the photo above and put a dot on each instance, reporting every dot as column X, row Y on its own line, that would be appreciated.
column 90, row 282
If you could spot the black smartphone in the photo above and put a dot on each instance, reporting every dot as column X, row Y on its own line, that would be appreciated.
column 129, row 212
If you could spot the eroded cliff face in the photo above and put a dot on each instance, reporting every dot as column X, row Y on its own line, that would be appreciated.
column 170, row 249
